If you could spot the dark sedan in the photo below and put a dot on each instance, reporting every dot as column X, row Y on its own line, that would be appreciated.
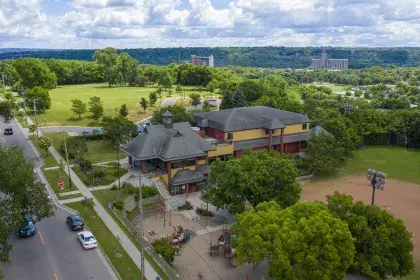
column 28, row 229
column 75, row 222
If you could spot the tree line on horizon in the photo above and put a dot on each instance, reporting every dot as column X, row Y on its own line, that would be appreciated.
column 265, row 57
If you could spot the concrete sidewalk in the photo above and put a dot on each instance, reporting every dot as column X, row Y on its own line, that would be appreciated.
column 126, row 243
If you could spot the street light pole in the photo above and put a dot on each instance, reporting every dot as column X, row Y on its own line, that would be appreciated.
column 377, row 181
column 141, row 228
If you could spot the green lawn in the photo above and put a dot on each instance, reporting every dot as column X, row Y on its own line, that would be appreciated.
column 398, row 163
column 98, row 150
column 49, row 160
column 61, row 114
column 53, row 176
column 119, row 258
column 101, row 175
column 103, row 196
column 69, row 196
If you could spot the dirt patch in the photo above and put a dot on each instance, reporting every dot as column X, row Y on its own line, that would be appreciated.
column 400, row 198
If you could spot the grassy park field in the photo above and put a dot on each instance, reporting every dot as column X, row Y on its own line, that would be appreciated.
column 333, row 87
column 61, row 114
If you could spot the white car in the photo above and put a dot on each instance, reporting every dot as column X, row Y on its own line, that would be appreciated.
column 87, row 240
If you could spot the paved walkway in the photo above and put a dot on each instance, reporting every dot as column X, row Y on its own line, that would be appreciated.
column 70, row 200
column 71, row 192
column 169, row 101
column 126, row 243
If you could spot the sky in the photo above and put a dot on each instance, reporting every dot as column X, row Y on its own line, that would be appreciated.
column 89, row 24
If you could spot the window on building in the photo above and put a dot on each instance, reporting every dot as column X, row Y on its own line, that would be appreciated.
column 304, row 126
column 230, row 135
column 267, row 131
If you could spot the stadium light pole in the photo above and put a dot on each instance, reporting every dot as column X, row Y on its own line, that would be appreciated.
column 377, row 181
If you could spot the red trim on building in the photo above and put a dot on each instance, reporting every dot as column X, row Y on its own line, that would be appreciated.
column 218, row 134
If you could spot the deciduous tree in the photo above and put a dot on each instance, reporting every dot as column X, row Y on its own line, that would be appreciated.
column 383, row 243
column 195, row 99
column 118, row 130
column 40, row 96
column 123, row 112
column 35, row 73
column 143, row 104
column 45, row 142
column 165, row 79
column 20, row 194
column 303, row 241
column 179, row 113
column 78, row 107
column 206, row 106
column 107, row 60
column 255, row 177
column 152, row 98
column 96, row 107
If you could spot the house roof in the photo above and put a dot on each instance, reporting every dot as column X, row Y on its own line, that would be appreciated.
column 167, row 114
column 248, row 118
column 204, row 169
column 178, row 142
column 186, row 176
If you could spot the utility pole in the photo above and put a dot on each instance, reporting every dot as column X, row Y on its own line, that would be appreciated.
column 118, row 160
column 22, row 90
column 141, row 228
column 67, row 159
column 36, row 121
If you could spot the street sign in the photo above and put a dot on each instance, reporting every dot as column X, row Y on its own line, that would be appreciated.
column 61, row 184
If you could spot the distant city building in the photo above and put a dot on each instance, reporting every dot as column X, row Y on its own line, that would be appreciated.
column 340, row 64
column 202, row 60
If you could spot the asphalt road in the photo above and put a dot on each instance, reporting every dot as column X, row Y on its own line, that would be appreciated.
column 169, row 101
column 77, row 129
column 54, row 252
column 18, row 139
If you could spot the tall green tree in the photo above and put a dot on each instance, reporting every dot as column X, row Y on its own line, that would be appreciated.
column 325, row 153
column 195, row 99
column 238, row 99
column 128, row 68
column 41, row 97
column 165, row 79
column 152, row 98
column 20, row 194
column 227, row 101
column 144, row 104
column 179, row 113
column 118, row 129
column 255, row 177
column 35, row 73
column 303, row 241
column 78, row 107
column 123, row 112
column 45, row 142
column 7, row 105
column 206, row 106
column 383, row 243
column 107, row 60
column 96, row 107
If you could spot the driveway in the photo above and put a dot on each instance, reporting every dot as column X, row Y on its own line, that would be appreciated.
column 169, row 101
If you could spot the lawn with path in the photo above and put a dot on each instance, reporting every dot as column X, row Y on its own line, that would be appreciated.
column 49, row 160
column 119, row 258
column 398, row 163
column 53, row 176
column 98, row 150
column 112, row 97
column 333, row 87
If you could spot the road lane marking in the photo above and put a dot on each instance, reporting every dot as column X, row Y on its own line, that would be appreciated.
column 55, row 276
column 42, row 239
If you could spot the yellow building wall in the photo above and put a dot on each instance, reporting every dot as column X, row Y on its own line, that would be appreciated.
column 221, row 150
column 202, row 161
column 173, row 171
column 247, row 134
column 295, row 128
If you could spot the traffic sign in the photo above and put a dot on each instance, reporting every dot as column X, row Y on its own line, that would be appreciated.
column 61, row 184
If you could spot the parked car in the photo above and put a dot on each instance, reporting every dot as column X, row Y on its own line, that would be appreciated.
column 87, row 240
column 75, row 222
column 8, row 131
column 28, row 229
column 85, row 132
column 96, row 131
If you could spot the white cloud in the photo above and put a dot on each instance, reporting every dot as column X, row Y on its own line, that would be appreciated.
column 165, row 23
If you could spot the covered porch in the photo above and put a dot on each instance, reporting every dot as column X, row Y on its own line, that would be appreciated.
column 187, row 181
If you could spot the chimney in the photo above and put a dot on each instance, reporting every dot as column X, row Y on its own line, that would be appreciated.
column 167, row 118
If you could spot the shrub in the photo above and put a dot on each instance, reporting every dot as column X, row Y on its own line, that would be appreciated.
column 85, row 164
column 118, row 204
column 91, row 137
column 203, row 212
column 148, row 191
column 32, row 128
column 166, row 250
column 114, row 187
column 98, row 173
column 186, row 206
